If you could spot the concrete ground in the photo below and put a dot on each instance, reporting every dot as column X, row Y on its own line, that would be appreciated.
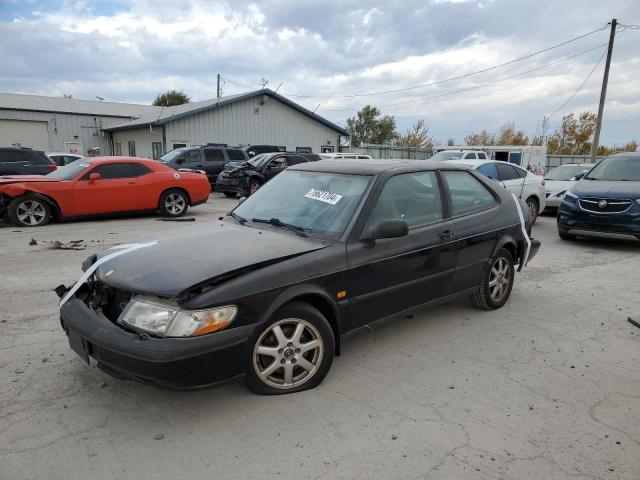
column 548, row 387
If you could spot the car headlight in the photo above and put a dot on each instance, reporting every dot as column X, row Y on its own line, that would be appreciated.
column 570, row 197
column 166, row 319
column 638, row 201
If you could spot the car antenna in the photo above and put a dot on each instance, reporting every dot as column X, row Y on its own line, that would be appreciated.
column 525, row 177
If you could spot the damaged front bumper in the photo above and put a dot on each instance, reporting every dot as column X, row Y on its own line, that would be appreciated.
column 174, row 363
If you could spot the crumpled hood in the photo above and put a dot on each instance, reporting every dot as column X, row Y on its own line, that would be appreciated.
column 6, row 179
column 198, row 254
column 606, row 189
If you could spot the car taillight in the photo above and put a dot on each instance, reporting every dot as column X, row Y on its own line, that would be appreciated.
column 53, row 166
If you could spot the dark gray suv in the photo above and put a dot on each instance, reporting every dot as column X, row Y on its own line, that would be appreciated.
column 211, row 158
column 24, row 161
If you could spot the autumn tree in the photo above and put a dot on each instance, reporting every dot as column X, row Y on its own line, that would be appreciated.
column 417, row 136
column 480, row 138
column 631, row 146
column 573, row 137
column 451, row 142
column 171, row 98
column 369, row 126
column 509, row 136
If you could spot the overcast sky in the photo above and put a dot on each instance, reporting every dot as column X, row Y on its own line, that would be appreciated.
column 322, row 51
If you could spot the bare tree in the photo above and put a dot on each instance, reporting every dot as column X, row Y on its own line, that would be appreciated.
column 417, row 136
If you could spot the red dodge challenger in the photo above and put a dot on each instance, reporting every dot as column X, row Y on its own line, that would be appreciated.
column 101, row 186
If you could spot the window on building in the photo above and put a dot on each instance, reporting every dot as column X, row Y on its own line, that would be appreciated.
column 467, row 193
column 326, row 149
column 304, row 150
column 117, row 149
column 132, row 148
column 156, row 149
column 414, row 197
column 179, row 145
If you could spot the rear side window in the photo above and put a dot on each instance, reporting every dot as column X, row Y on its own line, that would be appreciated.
column 482, row 155
column 38, row 158
column 235, row 154
column 213, row 155
column 521, row 172
column 113, row 171
column 296, row 159
column 489, row 170
column 138, row 170
column 506, row 172
column 413, row 197
column 467, row 194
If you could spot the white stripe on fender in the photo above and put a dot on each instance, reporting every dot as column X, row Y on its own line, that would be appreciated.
column 524, row 230
column 121, row 250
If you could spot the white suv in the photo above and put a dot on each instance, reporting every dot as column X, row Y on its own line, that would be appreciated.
column 524, row 184
column 459, row 155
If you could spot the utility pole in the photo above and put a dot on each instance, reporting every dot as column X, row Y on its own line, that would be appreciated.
column 603, row 93
column 218, row 90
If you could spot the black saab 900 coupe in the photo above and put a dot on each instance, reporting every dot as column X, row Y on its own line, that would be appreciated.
column 267, row 292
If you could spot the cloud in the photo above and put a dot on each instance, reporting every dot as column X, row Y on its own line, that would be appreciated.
column 324, row 50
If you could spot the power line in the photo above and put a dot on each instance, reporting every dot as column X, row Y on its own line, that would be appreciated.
column 475, row 87
column 466, row 75
column 579, row 87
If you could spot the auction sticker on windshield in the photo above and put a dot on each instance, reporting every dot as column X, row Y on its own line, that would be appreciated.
column 323, row 196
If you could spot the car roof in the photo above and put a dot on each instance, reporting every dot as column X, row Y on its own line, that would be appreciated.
column 99, row 160
column 372, row 166
column 472, row 162
column 64, row 153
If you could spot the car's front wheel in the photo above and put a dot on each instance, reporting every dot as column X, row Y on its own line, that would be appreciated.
column 292, row 353
column 173, row 203
column 29, row 211
column 497, row 282
column 532, row 206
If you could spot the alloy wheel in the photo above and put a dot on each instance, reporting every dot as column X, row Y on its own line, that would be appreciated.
column 533, row 210
column 499, row 279
column 31, row 212
column 175, row 203
column 288, row 353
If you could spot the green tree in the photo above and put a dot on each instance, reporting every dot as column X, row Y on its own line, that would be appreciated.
column 171, row 98
column 417, row 136
column 369, row 126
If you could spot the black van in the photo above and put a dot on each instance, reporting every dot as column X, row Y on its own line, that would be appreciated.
column 211, row 158
column 24, row 161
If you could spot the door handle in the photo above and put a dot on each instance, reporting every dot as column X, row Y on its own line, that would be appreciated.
column 446, row 235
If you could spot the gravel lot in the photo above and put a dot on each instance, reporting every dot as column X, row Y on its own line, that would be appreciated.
column 547, row 387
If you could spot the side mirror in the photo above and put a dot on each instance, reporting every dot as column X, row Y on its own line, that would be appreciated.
column 251, row 153
column 389, row 229
column 180, row 160
column 241, row 199
column 93, row 177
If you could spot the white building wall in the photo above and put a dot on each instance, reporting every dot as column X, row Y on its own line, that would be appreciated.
column 238, row 123
column 64, row 127
column 143, row 139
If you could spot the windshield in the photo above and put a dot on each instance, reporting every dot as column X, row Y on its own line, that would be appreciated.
column 616, row 169
column 446, row 155
column 565, row 172
column 70, row 170
column 318, row 202
column 259, row 160
column 172, row 155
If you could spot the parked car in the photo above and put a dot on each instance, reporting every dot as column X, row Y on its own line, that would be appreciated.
column 349, row 156
column 323, row 249
column 247, row 177
column 526, row 185
column 100, row 186
column 605, row 202
column 253, row 150
column 560, row 179
column 61, row 158
column 458, row 154
column 24, row 161
column 210, row 158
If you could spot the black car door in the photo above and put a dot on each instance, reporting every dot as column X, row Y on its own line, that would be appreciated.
column 214, row 161
column 275, row 166
column 390, row 275
column 475, row 226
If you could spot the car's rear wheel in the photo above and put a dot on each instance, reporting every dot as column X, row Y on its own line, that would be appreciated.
column 173, row 203
column 29, row 211
column 229, row 194
column 497, row 282
column 292, row 353
column 532, row 206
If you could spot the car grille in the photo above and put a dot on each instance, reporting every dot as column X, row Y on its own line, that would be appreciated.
column 600, row 228
column 605, row 205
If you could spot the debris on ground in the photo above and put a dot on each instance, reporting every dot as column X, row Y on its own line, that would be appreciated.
column 394, row 437
column 70, row 245
column 33, row 242
column 190, row 219
column 633, row 322
column 159, row 436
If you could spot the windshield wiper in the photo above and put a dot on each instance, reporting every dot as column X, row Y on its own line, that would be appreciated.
column 279, row 223
column 238, row 217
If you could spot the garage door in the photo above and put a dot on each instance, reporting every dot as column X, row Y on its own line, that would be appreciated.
column 24, row 133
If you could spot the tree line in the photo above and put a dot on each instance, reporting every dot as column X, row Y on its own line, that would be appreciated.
column 572, row 137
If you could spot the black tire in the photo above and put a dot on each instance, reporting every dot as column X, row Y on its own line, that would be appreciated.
column 29, row 211
column 484, row 297
column 285, row 352
column 566, row 236
column 173, row 203
column 229, row 194
column 534, row 208
column 254, row 184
